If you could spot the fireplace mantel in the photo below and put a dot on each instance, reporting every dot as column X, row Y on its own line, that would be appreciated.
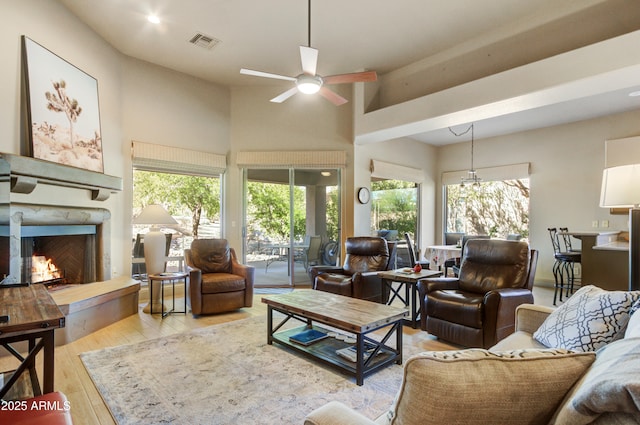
column 26, row 173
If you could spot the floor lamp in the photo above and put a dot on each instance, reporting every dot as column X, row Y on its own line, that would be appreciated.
column 621, row 189
column 155, row 254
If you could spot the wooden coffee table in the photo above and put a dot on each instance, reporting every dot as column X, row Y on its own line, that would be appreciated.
column 357, row 318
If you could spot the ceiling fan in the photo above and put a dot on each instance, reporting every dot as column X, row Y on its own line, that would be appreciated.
column 309, row 82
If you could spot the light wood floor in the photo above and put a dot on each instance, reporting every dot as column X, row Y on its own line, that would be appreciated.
column 87, row 406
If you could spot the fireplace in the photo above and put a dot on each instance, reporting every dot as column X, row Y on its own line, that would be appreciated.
column 75, row 239
column 56, row 255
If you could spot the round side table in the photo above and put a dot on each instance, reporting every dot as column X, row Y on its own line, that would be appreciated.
column 162, row 279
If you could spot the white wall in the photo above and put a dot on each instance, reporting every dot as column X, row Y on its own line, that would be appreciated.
column 144, row 102
column 566, row 172
column 138, row 101
column 51, row 25
column 165, row 107
column 300, row 123
column 409, row 153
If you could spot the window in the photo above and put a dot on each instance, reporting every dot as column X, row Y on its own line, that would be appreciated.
column 194, row 201
column 188, row 184
column 394, row 211
column 495, row 208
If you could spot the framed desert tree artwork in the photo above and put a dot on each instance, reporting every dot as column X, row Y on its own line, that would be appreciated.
column 62, row 110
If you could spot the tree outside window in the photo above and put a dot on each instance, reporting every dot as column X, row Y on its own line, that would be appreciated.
column 495, row 208
column 194, row 201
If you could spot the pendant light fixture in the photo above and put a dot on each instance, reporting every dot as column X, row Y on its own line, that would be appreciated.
column 472, row 176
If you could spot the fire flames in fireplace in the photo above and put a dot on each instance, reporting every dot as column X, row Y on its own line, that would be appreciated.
column 43, row 270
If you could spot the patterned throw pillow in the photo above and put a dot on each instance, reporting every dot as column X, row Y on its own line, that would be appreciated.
column 588, row 320
column 476, row 386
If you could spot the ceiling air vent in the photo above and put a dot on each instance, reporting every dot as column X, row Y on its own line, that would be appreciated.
column 204, row 41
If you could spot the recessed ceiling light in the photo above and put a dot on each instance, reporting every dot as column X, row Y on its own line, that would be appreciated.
column 635, row 93
column 153, row 19
column 325, row 173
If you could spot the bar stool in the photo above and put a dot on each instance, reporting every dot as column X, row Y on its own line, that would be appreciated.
column 576, row 259
column 563, row 265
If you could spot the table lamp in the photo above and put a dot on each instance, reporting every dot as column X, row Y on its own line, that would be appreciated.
column 155, row 246
column 621, row 189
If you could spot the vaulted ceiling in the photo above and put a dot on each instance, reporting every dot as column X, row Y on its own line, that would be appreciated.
column 418, row 47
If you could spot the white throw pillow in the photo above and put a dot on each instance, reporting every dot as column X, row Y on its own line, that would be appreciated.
column 588, row 320
column 633, row 327
column 611, row 385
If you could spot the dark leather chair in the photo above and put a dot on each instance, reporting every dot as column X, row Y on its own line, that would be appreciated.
column 463, row 242
column 357, row 278
column 217, row 282
column 477, row 309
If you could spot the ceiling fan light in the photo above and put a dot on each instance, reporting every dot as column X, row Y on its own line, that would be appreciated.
column 309, row 84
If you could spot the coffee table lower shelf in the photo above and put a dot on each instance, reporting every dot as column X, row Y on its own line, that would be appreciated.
column 325, row 351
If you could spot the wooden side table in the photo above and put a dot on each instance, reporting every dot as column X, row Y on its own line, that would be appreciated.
column 33, row 316
column 408, row 279
column 168, row 277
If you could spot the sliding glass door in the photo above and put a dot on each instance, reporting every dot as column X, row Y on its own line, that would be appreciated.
column 291, row 222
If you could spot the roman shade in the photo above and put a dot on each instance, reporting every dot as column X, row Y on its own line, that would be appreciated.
column 292, row 159
column 505, row 172
column 389, row 171
column 151, row 157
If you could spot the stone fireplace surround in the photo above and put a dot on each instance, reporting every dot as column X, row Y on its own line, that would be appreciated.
column 90, row 306
column 22, row 175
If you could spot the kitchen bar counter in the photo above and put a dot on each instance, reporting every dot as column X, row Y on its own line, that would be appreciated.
column 605, row 259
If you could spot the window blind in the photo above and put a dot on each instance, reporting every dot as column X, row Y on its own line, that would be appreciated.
column 389, row 171
column 292, row 159
column 150, row 157
column 505, row 172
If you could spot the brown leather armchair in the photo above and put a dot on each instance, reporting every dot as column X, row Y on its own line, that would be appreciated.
column 357, row 278
column 477, row 309
column 217, row 282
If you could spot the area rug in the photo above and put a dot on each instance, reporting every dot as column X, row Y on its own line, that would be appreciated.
column 226, row 374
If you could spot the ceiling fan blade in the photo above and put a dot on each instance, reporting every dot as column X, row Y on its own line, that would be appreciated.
column 332, row 97
column 356, row 77
column 309, row 59
column 284, row 96
column 265, row 74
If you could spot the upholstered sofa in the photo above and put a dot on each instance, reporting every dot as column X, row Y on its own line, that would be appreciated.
column 522, row 381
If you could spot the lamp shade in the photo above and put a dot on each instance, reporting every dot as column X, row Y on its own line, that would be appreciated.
column 620, row 186
column 154, row 215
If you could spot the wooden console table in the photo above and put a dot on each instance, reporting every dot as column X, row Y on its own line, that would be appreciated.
column 33, row 316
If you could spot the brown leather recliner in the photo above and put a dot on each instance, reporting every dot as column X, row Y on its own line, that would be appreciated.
column 217, row 282
column 357, row 278
column 477, row 309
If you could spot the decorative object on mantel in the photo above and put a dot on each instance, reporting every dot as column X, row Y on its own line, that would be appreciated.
column 155, row 247
column 472, row 176
column 62, row 110
column 621, row 188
